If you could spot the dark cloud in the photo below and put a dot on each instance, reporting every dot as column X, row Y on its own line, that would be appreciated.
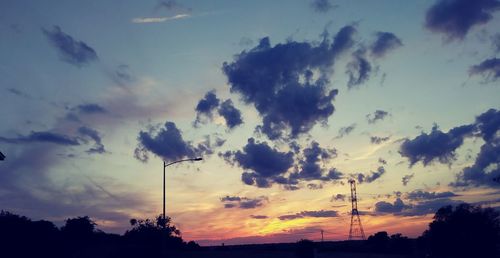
column 372, row 176
column 429, row 207
column 406, row 179
column 231, row 115
column 121, row 75
column 72, row 51
column 90, row 108
column 280, row 82
column 94, row 135
column 42, row 137
column 359, row 69
column 378, row 139
column 314, row 186
column 174, row 6
column 441, row 146
column 259, row 216
column 386, row 207
column 346, row 130
column 314, row 214
column 170, row 146
column 436, row 145
column 243, row 202
column 264, row 162
column 489, row 69
column 206, row 106
column 384, row 43
column 210, row 103
column 322, row 6
column 486, row 168
column 495, row 42
column 417, row 209
column 376, row 116
column 18, row 92
column 265, row 165
column 338, row 197
column 424, row 195
column 488, row 124
column 310, row 166
column 454, row 18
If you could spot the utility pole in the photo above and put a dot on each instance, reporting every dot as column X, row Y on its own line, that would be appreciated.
column 322, row 235
column 356, row 230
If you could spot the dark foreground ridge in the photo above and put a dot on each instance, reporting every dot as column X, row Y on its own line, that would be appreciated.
column 461, row 231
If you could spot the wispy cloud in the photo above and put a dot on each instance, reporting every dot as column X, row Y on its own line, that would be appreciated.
column 160, row 19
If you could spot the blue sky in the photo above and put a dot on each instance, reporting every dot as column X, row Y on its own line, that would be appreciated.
column 88, row 87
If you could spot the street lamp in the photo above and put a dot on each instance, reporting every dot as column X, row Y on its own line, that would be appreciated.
column 165, row 165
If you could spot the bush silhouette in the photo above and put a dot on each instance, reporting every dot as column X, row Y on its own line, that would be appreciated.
column 464, row 231
column 305, row 249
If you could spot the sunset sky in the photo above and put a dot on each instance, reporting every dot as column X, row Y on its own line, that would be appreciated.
column 284, row 100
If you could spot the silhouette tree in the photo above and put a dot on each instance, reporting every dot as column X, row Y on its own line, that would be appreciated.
column 21, row 237
column 148, row 237
column 379, row 242
column 305, row 249
column 463, row 231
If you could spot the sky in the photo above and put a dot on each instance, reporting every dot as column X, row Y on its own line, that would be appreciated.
column 285, row 101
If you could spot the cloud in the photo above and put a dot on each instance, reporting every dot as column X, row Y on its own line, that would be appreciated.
column 94, row 135
column 310, row 167
column 172, row 5
column 314, row 186
column 359, row 69
column 243, row 202
column 75, row 52
column 42, row 137
column 287, row 83
column 231, row 115
column 386, row 207
column 400, row 208
column 441, row 146
column 170, row 146
column 265, row 165
column 259, row 216
column 406, row 179
column 495, row 42
column 205, row 107
column 378, row 139
column 121, row 75
column 436, row 145
column 346, row 130
column 160, row 19
column 486, row 168
column 374, row 175
column 489, row 69
column 384, row 43
column 376, row 116
column 91, row 108
column 313, row 214
column 322, row 6
column 18, row 92
column 454, row 18
column 424, row 195
column 338, row 197
column 264, row 162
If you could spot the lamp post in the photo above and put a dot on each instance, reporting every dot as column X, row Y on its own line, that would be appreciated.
column 165, row 165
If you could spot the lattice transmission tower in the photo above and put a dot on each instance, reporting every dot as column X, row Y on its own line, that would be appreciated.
column 356, row 231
